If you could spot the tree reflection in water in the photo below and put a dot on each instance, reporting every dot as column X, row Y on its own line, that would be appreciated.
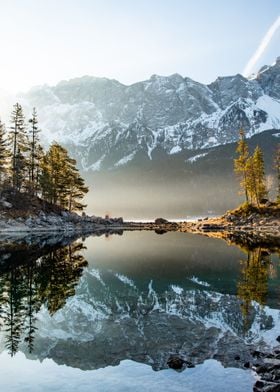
column 253, row 284
column 28, row 280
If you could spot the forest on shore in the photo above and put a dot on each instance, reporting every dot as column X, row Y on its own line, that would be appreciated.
column 250, row 169
column 26, row 167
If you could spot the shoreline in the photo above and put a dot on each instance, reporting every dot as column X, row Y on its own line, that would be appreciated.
column 252, row 227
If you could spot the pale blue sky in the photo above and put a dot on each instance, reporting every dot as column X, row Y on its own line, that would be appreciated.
column 45, row 41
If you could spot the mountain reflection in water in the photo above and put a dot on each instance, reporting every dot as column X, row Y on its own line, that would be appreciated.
column 140, row 296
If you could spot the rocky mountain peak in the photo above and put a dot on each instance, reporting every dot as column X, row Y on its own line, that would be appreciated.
column 106, row 121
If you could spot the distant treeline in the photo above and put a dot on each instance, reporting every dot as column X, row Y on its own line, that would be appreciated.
column 26, row 167
column 251, row 172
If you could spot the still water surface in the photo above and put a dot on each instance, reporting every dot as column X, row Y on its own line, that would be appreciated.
column 110, row 313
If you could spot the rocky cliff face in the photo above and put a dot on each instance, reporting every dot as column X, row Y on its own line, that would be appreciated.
column 107, row 124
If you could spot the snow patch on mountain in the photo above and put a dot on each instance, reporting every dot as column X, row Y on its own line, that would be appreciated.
column 124, row 279
column 175, row 150
column 177, row 289
column 96, row 274
column 96, row 165
column 272, row 107
column 196, row 280
column 125, row 159
column 196, row 157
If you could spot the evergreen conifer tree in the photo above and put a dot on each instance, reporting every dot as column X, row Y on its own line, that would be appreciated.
column 35, row 153
column 13, row 319
column 32, row 304
column 250, row 180
column 76, row 188
column 19, row 170
column 60, row 180
column 277, row 167
column 253, row 285
column 259, row 174
column 240, row 163
column 19, row 145
column 4, row 153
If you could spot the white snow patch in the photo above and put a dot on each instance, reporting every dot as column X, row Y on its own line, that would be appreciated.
column 124, row 279
column 268, row 335
column 272, row 107
column 177, row 289
column 125, row 159
column 152, row 294
column 175, row 150
column 212, row 140
column 95, row 272
column 196, row 157
column 96, row 166
column 153, row 145
column 200, row 282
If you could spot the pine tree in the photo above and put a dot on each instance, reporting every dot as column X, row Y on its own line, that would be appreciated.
column 250, row 180
column 52, row 180
column 60, row 271
column 259, row 173
column 76, row 188
column 13, row 319
column 38, row 168
column 255, row 177
column 60, row 180
column 19, row 144
column 32, row 305
column 4, row 153
column 277, row 167
column 240, row 163
column 35, row 153
column 253, row 285
column 19, row 170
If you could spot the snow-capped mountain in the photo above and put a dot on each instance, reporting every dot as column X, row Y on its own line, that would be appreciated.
column 106, row 124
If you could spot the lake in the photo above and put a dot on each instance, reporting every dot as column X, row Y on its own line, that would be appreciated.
column 121, row 312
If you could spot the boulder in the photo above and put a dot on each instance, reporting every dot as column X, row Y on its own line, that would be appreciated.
column 160, row 221
column 175, row 362
column 118, row 220
column 160, row 231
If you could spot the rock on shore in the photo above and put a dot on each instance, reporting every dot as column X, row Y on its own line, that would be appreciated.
column 64, row 221
column 21, row 212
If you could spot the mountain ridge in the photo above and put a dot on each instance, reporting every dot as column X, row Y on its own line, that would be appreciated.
column 106, row 123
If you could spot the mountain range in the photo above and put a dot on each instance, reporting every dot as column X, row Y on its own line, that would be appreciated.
column 108, row 123
column 118, row 132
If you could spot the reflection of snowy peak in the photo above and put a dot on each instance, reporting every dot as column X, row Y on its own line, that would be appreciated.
column 111, row 319
column 107, row 123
